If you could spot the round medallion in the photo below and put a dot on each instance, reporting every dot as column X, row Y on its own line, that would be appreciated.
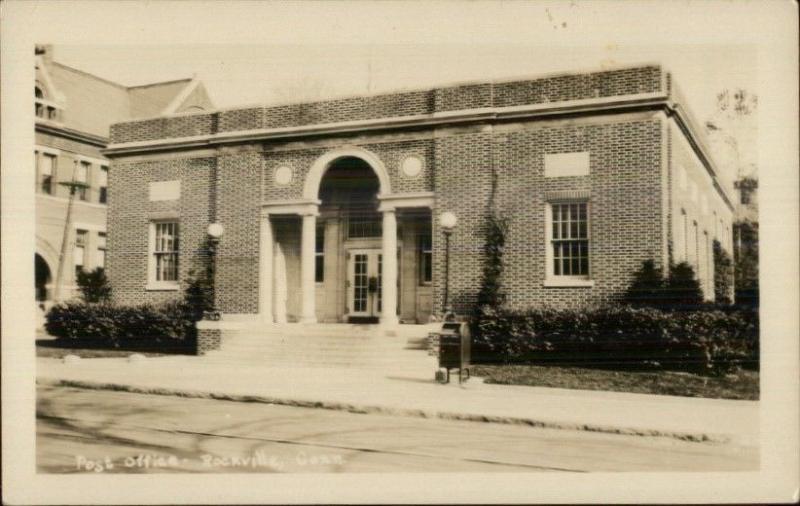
column 412, row 166
column 283, row 175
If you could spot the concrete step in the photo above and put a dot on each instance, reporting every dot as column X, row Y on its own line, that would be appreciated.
column 328, row 345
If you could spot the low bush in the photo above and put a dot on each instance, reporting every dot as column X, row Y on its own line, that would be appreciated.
column 169, row 325
column 707, row 339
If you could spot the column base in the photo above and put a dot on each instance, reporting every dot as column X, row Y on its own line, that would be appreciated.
column 307, row 320
column 389, row 321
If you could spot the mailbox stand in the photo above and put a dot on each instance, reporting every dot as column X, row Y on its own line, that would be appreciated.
column 455, row 349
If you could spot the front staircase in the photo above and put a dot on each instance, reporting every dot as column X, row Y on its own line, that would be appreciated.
column 399, row 348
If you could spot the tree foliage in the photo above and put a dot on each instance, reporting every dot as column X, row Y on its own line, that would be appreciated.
column 491, row 291
column 746, row 262
column 723, row 274
column 94, row 286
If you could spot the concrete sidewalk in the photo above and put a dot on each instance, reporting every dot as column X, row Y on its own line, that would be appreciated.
column 414, row 393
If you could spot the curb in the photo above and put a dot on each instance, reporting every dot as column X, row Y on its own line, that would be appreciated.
column 387, row 410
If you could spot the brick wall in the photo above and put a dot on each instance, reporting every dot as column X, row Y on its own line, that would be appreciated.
column 579, row 86
column 462, row 182
column 624, row 187
column 130, row 212
column 390, row 153
column 467, row 96
column 238, row 209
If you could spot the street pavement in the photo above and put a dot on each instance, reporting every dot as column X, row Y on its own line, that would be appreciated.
column 94, row 431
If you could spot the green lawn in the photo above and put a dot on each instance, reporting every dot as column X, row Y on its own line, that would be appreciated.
column 742, row 385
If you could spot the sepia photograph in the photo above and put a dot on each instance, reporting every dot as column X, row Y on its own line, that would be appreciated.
column 288, row 257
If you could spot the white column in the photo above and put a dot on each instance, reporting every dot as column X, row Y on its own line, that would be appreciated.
column 389, row 274
column 307, row 248
column 265, row 271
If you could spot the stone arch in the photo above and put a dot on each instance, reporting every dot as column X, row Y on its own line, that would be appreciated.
column 48, row 254
column 321, row 165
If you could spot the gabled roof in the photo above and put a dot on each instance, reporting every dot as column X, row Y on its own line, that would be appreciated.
column 90, row 103
column 153, row 99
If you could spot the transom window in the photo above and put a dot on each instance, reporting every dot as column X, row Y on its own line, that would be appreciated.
column 570, row 239
column 364, row 225
column 165, row 251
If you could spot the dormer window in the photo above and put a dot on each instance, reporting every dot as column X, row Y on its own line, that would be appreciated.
column 44, row 108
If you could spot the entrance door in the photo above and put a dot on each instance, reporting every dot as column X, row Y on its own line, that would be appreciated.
column 364, row 282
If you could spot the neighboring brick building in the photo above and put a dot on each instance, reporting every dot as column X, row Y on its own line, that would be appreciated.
column 73, row 112
column 594, row 172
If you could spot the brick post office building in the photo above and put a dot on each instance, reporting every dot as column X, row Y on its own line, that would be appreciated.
column 330, row 209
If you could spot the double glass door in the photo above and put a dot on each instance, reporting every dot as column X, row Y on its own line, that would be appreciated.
column 364, row 282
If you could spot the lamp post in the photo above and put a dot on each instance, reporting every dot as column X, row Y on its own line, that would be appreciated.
column 215, row 232
column 447, row 221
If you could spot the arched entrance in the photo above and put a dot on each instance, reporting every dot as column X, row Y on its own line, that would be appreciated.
column 43, row 279
column 341, row 193
column 337, row 254
column 348, row 246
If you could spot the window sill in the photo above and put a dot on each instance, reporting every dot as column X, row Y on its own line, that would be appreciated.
column 156, row 287
column 568, row 283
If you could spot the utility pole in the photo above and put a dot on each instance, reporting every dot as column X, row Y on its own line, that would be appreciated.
column 73, row 187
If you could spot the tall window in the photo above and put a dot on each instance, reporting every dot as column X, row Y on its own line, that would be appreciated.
column 39, row 107
column 103, row 185
column 79, row 253
column 165, row 252
column 82, row 176
column 46, row 173
column 425, row 256
column 685, row 251
column 101, row 250
column 570, row 239
column 319, row 254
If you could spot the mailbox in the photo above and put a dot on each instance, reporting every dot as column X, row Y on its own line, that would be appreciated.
column 455, row 346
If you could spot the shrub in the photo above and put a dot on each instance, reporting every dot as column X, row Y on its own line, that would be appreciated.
column 199, row 294
column 169, row 325
column 683, row 289
column 647, row 287
column 704, row 340
column 94, row 285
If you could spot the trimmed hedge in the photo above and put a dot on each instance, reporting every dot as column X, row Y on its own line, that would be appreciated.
column 707, row 339
column 169, row 325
